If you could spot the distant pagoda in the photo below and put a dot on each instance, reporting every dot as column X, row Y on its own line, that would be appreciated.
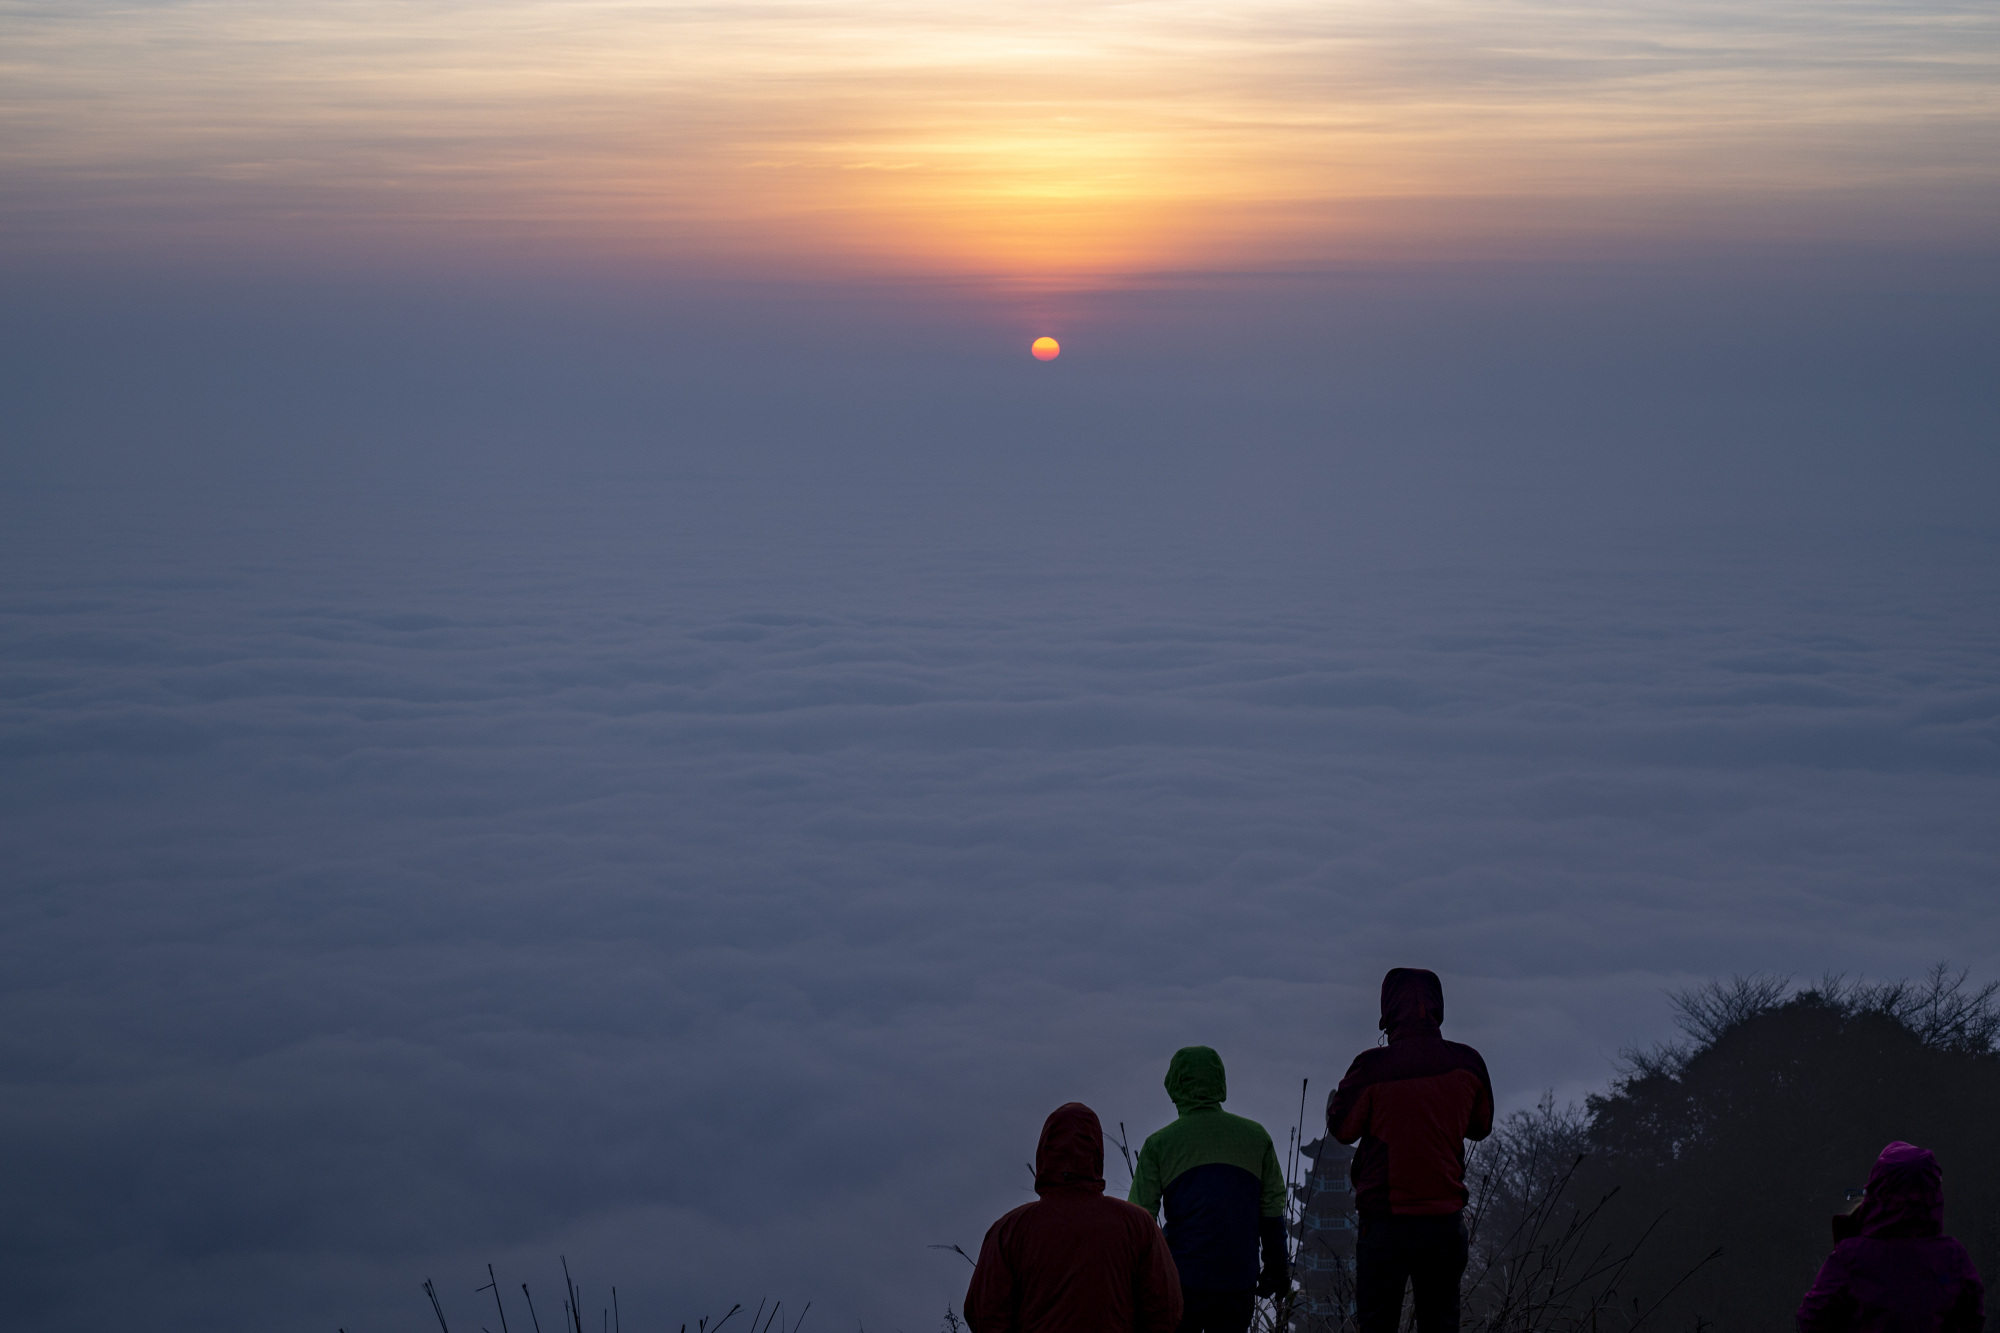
column 1324, row 1230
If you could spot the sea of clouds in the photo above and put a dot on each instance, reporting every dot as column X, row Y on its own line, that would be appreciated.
column 689, row 785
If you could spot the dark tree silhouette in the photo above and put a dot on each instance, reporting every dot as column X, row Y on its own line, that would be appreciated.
column 1748, row 1134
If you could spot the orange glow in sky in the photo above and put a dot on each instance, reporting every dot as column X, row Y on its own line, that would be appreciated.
column 1035, row 141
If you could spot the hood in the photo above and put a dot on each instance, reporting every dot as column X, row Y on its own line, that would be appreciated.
column 1412, row 1002
column 1905, row 1194
column 1195, row 1080
column 1070, row 1157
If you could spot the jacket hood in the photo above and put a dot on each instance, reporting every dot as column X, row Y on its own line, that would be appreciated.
column 1195, row 1080
column 1070, row 1156
column 1905, row 1194
column 1412, row 1002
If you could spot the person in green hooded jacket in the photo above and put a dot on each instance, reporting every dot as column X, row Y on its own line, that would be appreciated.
column 1224, row 1192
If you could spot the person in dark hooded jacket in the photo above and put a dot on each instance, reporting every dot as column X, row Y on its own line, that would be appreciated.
column 1900, row 1273
column 1073, row 1261
column 1412, row 1104
column 1224, row 1191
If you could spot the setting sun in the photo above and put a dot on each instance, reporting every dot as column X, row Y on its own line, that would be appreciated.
column 1046, row 349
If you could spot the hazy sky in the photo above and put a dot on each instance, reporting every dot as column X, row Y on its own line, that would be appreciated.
column 1034, row 140
column 568, row 687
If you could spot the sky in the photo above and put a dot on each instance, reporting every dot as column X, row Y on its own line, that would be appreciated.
column 569, row 688
column 1031, row 141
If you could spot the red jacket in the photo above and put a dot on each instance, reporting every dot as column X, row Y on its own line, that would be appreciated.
column 1074, row 1261
column 1412, row 1103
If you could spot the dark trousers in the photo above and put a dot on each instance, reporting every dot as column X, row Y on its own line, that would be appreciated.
column 1216, row 1311
column 1425, row 1254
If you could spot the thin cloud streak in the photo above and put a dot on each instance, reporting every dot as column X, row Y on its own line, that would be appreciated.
column 1013, row 139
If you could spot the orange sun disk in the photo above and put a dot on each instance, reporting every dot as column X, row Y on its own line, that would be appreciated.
column 1046, row 349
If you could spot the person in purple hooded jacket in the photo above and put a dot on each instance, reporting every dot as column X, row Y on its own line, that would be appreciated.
column 1901, row 1273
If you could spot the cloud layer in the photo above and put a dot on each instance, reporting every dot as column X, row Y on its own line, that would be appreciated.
column 697, row 814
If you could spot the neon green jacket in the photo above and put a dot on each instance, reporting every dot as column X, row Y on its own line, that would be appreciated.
column 1218, row 1176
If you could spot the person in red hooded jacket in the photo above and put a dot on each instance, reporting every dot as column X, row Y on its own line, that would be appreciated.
column 1900, row 1273
column 1073, row 1261
column 1412, row 1104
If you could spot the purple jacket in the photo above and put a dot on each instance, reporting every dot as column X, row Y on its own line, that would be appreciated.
column 1901, row 1274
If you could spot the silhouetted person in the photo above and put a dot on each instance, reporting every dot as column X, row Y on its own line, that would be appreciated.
column 1219, row 1177
column 1899, row 1272
column 1073, row 1261
column 1412, row 1103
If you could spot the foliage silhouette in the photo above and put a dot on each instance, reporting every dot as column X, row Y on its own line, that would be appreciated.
column 1747, row 1135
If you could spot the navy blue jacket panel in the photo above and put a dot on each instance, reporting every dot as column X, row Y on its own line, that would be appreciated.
column 1212, row 1215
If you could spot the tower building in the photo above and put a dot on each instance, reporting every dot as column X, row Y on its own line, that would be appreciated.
column 1325, row 1232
